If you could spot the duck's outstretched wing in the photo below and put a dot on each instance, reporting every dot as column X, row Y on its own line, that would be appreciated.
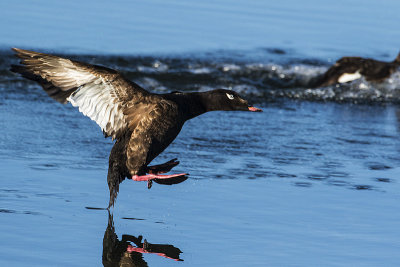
column 100, row 93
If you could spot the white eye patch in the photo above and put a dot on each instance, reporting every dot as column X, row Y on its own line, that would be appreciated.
column 229, row 96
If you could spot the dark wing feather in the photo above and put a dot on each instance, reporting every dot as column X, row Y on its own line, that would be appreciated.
column 99, row 93
column 49, row 88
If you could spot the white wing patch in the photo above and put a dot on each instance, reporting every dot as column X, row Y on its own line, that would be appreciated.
column 230, row 96
column 348, row 77
column 97, row 100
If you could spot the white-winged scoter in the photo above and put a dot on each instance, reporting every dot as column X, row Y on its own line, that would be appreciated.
column 142, row 123
column 348, row 69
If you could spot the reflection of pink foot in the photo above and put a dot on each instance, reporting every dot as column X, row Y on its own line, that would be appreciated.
column 144, row 250
column 162, row 168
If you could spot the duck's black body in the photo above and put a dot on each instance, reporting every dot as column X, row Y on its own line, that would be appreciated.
column 143, row 123
column 348, row 69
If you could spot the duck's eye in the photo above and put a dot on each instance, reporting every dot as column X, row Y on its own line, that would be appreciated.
column 230, row 96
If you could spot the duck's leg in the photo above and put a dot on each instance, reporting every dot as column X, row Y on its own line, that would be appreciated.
column 140, row 151
column 162, row 168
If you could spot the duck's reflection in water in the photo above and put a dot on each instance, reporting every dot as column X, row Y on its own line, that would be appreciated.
column 130, row 249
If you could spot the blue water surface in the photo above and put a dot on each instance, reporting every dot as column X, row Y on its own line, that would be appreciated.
column 311, row 27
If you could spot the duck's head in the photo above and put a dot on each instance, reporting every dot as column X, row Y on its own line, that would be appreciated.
column 221, row 99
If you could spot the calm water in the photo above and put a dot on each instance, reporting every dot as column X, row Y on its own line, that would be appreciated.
column 311, row 181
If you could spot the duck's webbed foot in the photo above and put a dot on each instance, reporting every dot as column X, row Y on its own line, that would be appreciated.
column 161, row 179
column 162, row 168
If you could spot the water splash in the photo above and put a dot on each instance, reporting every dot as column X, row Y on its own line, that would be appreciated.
column 257, row 78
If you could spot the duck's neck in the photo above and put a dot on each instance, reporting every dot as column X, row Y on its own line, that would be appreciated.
column 190, row 104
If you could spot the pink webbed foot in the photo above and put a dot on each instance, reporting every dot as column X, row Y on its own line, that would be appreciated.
column 162, row 168
column 156, row 176
column 161, row 179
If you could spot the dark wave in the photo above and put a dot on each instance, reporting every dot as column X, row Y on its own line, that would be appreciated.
column 263, row 75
